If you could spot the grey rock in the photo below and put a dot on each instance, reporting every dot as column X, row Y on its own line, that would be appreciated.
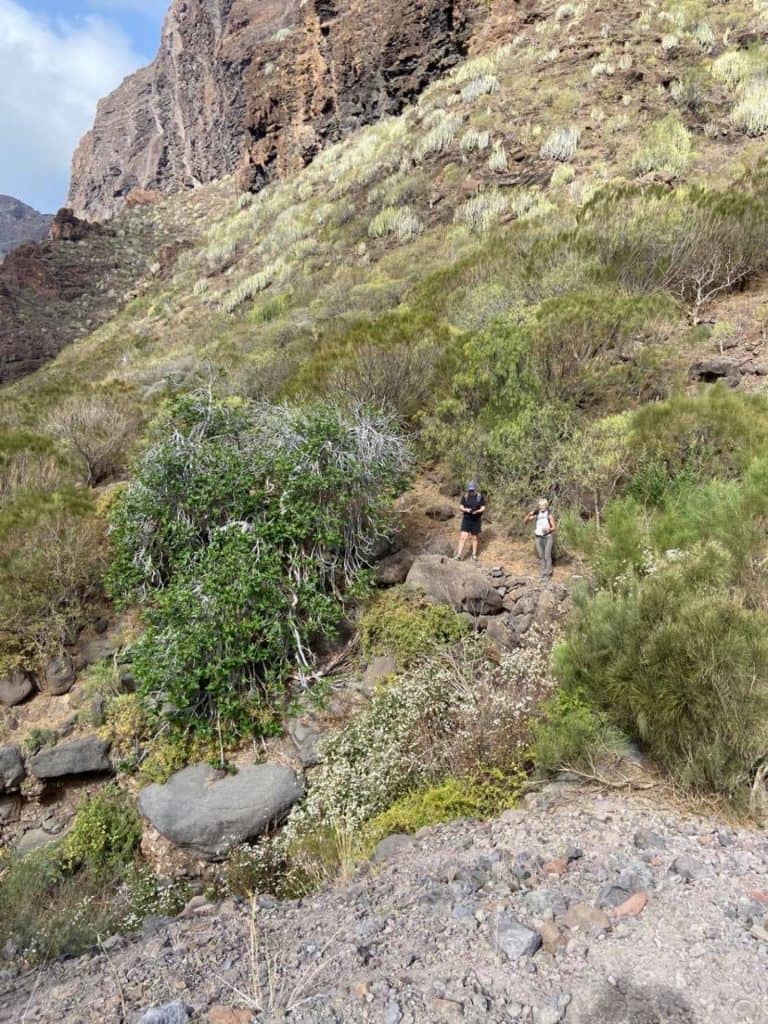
column 378, row 669
column 59, row 675
column 686, row 867
column 34, row 839
column 646, row 839
column 501, row 637
column 394, row 569
column 439, row 546
column 76, row 758
column 171, row 1013
column 306, row 736
column 514, row 940
column 613, row 896
column 391, row 847
column 205, row 810
column 392, row 1013
column 11, row 768
column 458, row 584
column 15, row 688
column 554, row 1013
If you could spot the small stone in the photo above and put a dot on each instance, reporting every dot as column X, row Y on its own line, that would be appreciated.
column 556, row 867
column 392, row 1013
column 391, row 847
column 686, row 867
column 514, row 940
column 759, row 896
column 171, row 1013
column 612, row 896
column 645, row 839
column 551, row 936
column 584, row 917
column 635, row 905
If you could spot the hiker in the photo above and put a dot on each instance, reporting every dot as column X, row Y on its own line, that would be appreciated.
column 544, row 535
column 472, row 507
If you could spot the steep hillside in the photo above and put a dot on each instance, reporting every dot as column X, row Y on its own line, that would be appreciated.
column 20, row 223
column 548, row 272
column 262, row 86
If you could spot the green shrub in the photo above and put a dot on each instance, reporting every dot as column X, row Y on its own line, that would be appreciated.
column 246, row 531
column 573, row 734
column 47, row 911
column 480, row 796
column 667, row 148
column 675, row 660
column 694, row 243
column 105, row 833
column 37, row 738
column 406, row 627
column 51, row 561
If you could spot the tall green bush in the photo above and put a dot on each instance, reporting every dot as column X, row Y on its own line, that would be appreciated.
column 677, row 661
column 245, row 532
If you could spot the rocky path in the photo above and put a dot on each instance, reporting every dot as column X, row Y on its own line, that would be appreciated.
column 582, row 906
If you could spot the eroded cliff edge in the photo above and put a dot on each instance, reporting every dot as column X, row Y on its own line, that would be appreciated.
column 259, row 87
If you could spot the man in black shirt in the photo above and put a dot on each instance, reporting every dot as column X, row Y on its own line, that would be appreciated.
column 472, row 507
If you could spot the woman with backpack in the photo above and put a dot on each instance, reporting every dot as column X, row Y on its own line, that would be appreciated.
column 472, row 507
column 544, row 535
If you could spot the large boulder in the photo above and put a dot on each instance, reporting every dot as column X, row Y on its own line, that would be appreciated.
column 59, row 675
column 11, row 768
column 209, row 811
column 394, row 569
column 79, row 757
column 15, row 688
column 460, row 584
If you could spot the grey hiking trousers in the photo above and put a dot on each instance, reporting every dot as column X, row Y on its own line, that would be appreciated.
column 544, row 551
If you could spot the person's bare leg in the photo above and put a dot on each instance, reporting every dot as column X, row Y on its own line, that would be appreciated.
column 475, row 542
column 462, row 542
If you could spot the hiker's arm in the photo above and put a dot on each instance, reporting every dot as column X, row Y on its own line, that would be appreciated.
column 552, row 523
column 479, row 511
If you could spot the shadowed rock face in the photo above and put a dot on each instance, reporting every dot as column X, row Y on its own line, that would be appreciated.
column 260, row 86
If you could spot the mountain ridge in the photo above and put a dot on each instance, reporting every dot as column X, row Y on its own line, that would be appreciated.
column 20, row 223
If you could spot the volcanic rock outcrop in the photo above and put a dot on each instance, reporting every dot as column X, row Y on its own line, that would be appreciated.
column 260, row 86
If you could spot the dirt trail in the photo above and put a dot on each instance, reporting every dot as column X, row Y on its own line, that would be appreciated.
column 497, row 546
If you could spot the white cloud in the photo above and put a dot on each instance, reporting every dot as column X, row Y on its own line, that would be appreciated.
column 52, row 73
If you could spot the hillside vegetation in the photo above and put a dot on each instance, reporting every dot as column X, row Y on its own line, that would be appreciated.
column 512, row 281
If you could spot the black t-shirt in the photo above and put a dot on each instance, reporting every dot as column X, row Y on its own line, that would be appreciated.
column 473, row 501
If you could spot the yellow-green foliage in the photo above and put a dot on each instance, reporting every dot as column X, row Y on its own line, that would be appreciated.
column 106, row 831
column 254, row 284
column 477, row 796
column 667, row 148
column 406, row 627
column 751, row 111
column 400, row 221
column 440, row 135
column 481, row 212
column 561, row 144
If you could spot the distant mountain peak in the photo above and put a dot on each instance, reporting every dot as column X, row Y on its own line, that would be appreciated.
column 20, row 223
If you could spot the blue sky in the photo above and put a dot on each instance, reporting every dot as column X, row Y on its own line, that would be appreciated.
column 57, row 59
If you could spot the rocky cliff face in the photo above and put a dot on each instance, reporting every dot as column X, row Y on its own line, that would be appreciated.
column 260, row 86
column 20, row 223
